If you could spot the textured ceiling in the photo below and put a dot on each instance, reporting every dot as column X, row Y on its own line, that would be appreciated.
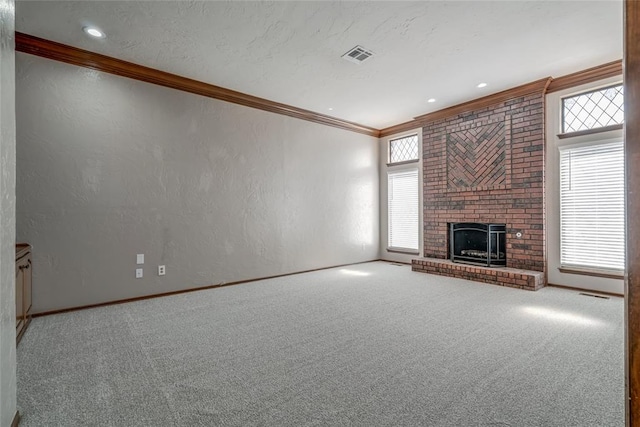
column 290, row 51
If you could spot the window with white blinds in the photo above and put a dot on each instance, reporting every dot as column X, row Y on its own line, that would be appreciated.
column 403, row 210
column 592, row 206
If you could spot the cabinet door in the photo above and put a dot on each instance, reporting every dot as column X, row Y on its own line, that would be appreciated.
column 19, row 299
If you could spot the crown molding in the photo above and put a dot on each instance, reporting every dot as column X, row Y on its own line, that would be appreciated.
column 402, row 127
column 486, row 101
column 71, row 55
column 610, row 69
column 548, row 85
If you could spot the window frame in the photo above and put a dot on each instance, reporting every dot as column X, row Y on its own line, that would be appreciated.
column 401, row 169
column 388, row 252
column 404, row 162
column 587, row 280
column 562, row 134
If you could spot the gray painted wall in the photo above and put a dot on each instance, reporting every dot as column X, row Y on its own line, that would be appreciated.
column 109, row 167
column 7, row 215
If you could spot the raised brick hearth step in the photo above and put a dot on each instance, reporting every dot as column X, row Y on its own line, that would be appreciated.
column 511, row 277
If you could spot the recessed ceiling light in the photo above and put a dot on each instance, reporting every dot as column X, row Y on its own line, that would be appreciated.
column 431, row 100
column 330, row 109
column 93, row 32
column 481, row 85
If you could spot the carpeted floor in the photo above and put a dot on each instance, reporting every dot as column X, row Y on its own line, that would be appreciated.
column 367, row 345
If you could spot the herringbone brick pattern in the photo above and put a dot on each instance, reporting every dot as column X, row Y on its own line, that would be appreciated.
column 476, row 157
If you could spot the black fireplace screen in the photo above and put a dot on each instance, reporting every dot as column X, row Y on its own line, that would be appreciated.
column 477, row 243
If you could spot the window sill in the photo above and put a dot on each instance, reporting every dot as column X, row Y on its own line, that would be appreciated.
column 404, row 251
column 406, row 162
column 589, row 131
column 607, row 274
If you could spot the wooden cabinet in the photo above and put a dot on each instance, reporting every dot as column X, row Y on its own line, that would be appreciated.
column 23, row 288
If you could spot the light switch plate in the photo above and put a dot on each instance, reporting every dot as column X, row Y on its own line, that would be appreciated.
column 138, row 273
column 140, row 259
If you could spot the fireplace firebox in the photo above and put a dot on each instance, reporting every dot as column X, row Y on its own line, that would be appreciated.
column 477, row 243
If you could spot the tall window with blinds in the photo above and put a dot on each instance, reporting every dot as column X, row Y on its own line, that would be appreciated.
column 592, row 206
column 403, row 210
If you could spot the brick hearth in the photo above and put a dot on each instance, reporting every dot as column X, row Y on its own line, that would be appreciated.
column 511, row 277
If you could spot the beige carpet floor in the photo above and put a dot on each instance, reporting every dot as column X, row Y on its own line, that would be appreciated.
column 367, row 345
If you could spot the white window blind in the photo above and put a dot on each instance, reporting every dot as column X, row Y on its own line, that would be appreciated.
column 403, row 210
column 592, row 206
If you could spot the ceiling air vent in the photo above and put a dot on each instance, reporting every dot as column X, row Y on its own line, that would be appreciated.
column 358, row 54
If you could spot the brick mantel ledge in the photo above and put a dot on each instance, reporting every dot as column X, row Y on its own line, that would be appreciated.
column 510, row 277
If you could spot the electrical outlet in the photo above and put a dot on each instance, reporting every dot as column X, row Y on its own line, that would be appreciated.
column 140, row 259
column 138, row 273
column 161, row 270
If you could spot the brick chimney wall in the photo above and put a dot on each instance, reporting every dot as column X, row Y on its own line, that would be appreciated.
column 488, row 166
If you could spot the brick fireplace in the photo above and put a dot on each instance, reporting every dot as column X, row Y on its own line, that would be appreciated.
column 487, row 166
